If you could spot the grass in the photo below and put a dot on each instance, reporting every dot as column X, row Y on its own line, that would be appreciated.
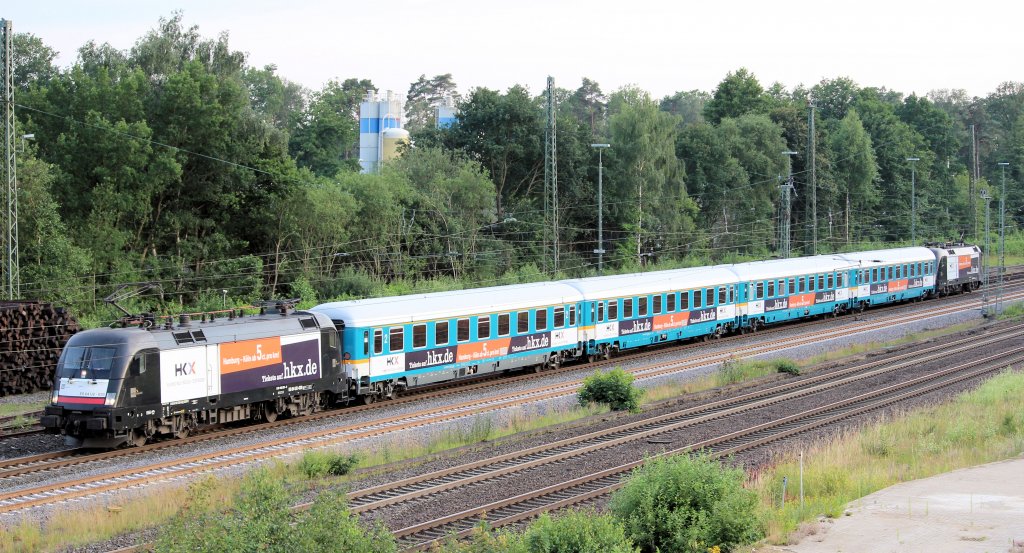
column 314, row 469
column 79, row 527
column 978, row 427
column 9, row 409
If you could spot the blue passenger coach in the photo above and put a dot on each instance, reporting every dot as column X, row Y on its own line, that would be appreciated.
column 628, row 311
column 890, row 276
column 781, row 290
column 394, row 343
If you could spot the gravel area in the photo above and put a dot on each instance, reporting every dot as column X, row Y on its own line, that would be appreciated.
column 426, row 434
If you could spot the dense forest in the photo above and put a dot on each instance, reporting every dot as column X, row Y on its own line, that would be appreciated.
column 176, row 162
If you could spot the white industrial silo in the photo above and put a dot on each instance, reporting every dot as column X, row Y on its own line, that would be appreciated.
column 377, row 115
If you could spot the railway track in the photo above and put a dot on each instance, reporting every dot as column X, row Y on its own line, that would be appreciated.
column 57, row 460
column 603, row 482
column 57, row 492
column 12, row 467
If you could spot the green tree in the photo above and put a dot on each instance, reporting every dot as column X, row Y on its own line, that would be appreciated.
column 647, row 196
column 687, row 105
column 327, row 131
column 424, row 96
column 856, row 172
column 739, row 93
column 687, row 504
column 32, row 60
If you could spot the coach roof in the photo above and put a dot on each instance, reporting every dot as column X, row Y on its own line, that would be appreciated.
column 781, row 268
column 887, row 257
column 654, row 282
column 442, row 305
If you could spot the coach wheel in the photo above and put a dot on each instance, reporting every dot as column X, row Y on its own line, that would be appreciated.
column 835, row 311
column 755, row 324
column 269, row 412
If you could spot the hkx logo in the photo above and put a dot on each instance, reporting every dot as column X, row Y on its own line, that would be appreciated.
column 184, row 369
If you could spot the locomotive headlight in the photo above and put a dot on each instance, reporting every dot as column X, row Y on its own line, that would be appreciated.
column 110, row 398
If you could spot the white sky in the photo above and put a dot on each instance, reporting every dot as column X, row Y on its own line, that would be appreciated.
column 661, row 46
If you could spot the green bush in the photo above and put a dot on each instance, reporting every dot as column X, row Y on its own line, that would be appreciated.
column 261, row 520
column 577, row 532
column 317, row 464
column 787, row 366
column 614, row 388
column 687, row 504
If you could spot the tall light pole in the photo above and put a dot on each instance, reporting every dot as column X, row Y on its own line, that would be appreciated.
column 784, row 230
column 913, row 199
column 984, row 260
column 1002, row 235
column 600, row 207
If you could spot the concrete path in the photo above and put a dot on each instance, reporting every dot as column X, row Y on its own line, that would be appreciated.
column 979, row 509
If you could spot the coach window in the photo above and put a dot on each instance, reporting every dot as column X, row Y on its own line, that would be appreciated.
column 462, row 330
column 419, row 336
column 483, row 327
column 366, row 343
column 684, row 301
column 572, row 315
column 396, row 337
column 657, row 304
column 771, row 289
column 627, row 308
column 890, row 272
column 759, row 290
column 613, row 310
column 642, row 306
column 600, row 312
column 792, row 286
column 800, row 285
column 540, row 319
column 722, row 292
column 697, row 297
column 898, row 267
column 503, row 324
column 559, row 317
column 831, row 280
column 874, row 274
column 821, row 281
column 378, row 341
column 523, row 322
column 709, row 297
column 441, row 333
column 670, row 303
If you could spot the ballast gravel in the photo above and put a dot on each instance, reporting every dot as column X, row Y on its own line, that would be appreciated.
column 465, row 426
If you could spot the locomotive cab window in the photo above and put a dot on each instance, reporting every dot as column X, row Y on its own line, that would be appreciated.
column 396, row 339
column 503, row 324
column 419, row 336
column 483, row 327
column 378, row 341
column 441, row 333
column 559, row 321
column 462, row 330
column 540, row 319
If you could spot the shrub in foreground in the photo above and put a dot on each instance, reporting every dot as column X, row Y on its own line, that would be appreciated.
column 261, row 520
column 614, row 388
column 687, row 504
